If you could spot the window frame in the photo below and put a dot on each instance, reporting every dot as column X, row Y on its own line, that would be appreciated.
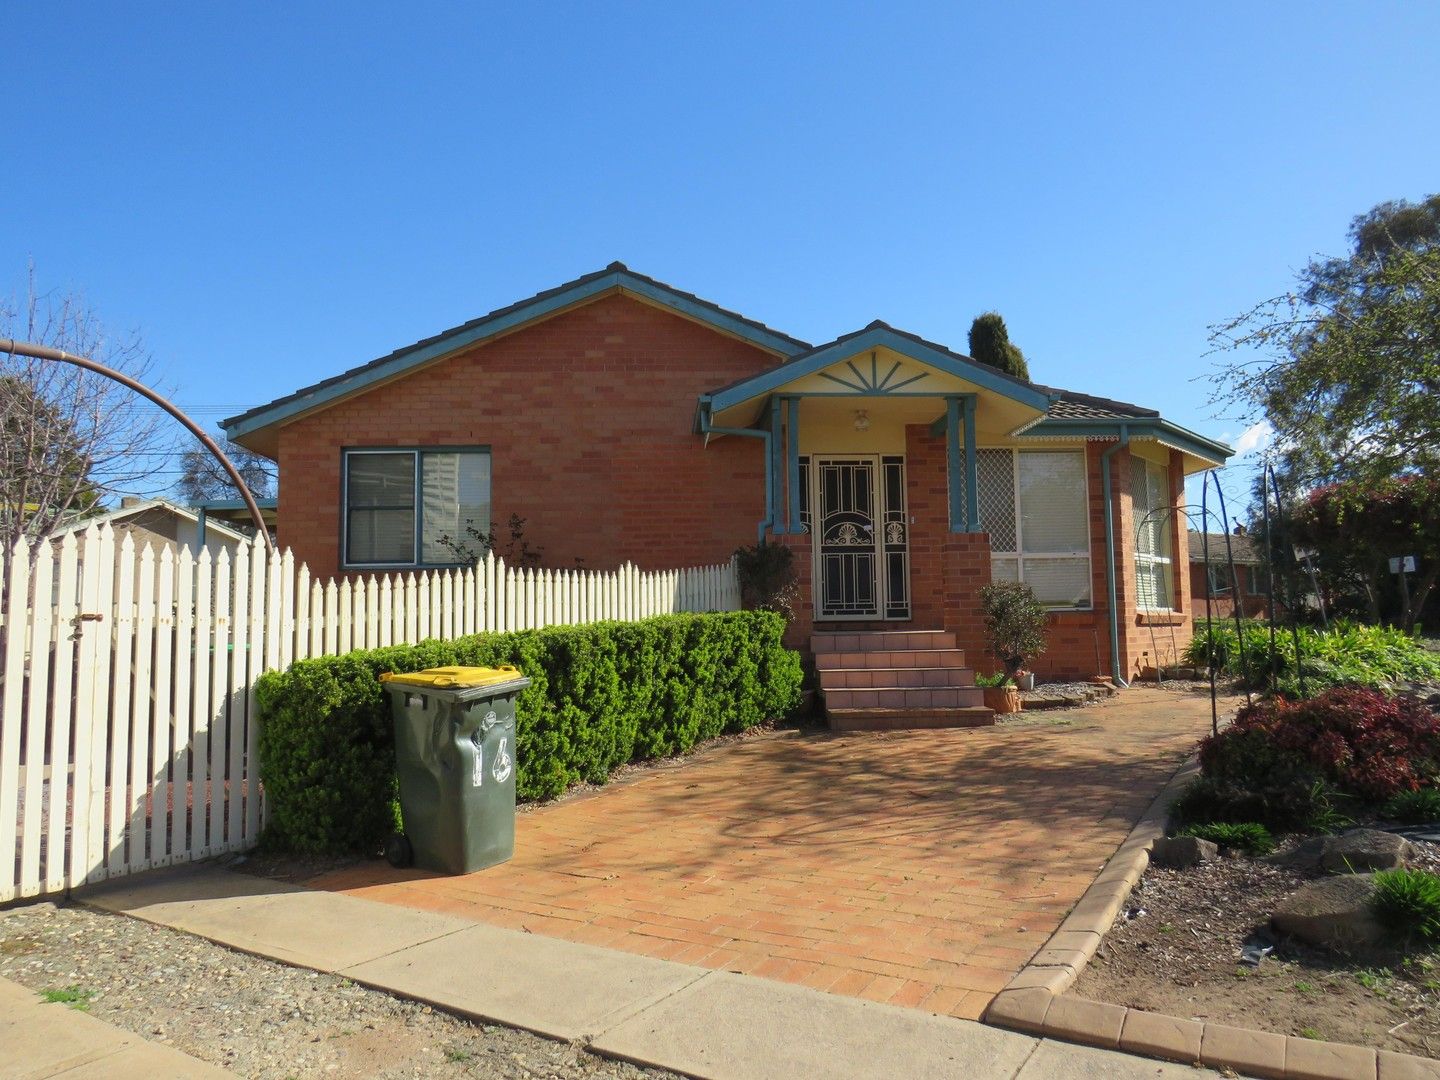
column 1167, row 528
column 417, row 453
column 1020, row 555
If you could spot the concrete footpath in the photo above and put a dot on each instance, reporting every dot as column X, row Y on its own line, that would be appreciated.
column 40, row 1040
column 703, row 1023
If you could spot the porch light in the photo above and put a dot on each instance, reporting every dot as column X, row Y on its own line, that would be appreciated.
column 862, row 421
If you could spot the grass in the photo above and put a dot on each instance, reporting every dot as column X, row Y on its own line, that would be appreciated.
column 1303, row 987
column 1407, row 904
column 1374, row 981
column 1247, row 836
column 455, row 1054
column 74, row 996
column 1310, row 1033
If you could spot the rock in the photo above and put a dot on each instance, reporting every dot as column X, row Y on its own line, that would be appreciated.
column 1333, row 912
column 1181, row 852
column 1363, row 850
column 1304, row 857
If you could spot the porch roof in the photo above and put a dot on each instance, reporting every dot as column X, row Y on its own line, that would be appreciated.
column 940, row 373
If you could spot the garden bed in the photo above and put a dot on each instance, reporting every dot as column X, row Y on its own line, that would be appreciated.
column 1176, row 946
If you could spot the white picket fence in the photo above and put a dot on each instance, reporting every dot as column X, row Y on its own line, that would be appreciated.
column 127, row 708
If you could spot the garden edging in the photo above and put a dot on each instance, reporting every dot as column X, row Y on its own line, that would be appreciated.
column 1035, row 1001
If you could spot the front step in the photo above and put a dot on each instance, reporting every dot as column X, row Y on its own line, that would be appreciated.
column 908, row 719
column 890, row 679
column 867, row 678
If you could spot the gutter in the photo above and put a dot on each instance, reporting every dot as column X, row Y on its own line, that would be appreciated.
column 707, row 429
column 1123, row 444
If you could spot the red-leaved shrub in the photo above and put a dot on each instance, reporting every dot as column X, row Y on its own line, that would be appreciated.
column 1361, row 741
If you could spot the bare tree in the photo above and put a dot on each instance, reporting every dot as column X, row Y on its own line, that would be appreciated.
column 69, row 437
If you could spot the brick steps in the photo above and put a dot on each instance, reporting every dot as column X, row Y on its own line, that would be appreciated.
column 887, row 680
column 908, row 719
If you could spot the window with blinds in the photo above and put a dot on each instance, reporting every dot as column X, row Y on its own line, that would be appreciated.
column 1035, row 506
column 1154, row 526
column 401, row 504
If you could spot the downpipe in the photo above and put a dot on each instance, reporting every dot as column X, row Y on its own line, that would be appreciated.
column 768, row 522
column 1110, row 587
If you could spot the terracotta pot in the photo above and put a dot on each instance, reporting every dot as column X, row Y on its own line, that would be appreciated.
column 1002, row 699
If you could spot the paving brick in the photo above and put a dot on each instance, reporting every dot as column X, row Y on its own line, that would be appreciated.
column 932, row 858
column 1021, row 1010
column 1392, row 1066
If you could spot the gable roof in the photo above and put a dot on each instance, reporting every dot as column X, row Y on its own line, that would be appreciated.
column 879, row 334
column 615, row 277
column 145, row 506
column 1245, row 547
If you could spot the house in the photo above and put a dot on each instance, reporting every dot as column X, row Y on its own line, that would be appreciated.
column 1246, row 590
column 161, row 524
column 625, row 419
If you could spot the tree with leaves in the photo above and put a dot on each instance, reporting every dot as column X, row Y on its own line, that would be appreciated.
column 1356, row 528
column 990, row 344
column 202, row 479
column 1346, row 366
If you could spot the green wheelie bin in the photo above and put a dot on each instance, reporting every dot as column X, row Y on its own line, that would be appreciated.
column 455, row 756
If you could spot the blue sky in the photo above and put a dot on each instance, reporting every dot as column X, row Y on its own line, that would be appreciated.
column 272, row 194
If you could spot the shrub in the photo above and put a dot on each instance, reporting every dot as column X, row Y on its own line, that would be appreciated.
column 1362, row 742
column 1248, row 836
column 767, row 579
column 1014, row 623
column 1407, row 903
column 601, row 695
column 1348, row 654
column 1419, row 807
column 998, row 679
column 1285, row 806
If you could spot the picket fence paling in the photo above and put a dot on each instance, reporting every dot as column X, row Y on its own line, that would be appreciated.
column 128, row 720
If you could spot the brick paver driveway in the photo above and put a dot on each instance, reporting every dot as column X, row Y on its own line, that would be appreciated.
column 919, row 868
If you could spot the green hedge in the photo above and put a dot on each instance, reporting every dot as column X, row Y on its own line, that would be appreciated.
column 601, row 695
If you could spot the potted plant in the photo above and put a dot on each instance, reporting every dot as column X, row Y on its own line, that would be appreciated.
column 1014, row 625
column 1000, row 694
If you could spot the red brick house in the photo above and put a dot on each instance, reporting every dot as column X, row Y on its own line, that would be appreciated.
column 625, row 419
column 1245, row 589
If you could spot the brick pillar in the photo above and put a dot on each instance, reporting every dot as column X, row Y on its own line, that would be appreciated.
column 797, row 634
column 965, row 560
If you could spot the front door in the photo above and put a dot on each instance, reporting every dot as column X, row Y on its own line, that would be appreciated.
column 862, row 560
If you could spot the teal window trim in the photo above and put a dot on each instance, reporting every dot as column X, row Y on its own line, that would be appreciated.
column 952, row 465
column 419, row 452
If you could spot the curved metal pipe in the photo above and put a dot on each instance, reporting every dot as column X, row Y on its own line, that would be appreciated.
column 45, row 352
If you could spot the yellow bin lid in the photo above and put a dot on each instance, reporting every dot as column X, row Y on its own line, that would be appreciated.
column 454, row 678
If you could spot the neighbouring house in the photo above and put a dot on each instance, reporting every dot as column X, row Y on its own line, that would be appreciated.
column 624, row 419
column 1246, row 589
column 161, row 524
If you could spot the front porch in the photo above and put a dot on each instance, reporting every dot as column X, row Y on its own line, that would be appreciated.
column 904, row 477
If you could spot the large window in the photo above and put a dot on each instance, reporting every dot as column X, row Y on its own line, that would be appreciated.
column 1035, row 507
column 1154, row 528
column 399, row 504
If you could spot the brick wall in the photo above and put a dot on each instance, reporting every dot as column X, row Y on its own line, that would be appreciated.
column 589, row 416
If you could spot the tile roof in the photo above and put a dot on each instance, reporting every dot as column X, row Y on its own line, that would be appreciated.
column 1244, row 547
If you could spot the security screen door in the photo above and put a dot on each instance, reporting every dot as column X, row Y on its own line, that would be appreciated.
column 862, row 542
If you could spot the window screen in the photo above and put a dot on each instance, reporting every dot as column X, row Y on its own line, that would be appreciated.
column 387, row 525
column 1034, row 506
column 380, row 508
column 1151, row 505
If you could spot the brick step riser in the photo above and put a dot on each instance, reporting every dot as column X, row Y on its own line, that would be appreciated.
column 919, row 720
column 871, row 678
column 907, row 658
column 882, row 641
column 930, row 698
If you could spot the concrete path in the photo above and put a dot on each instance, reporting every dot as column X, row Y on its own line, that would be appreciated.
column 693, row 1020
column 38, row 1039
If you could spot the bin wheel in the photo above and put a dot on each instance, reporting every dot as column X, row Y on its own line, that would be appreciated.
column 398, row 852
